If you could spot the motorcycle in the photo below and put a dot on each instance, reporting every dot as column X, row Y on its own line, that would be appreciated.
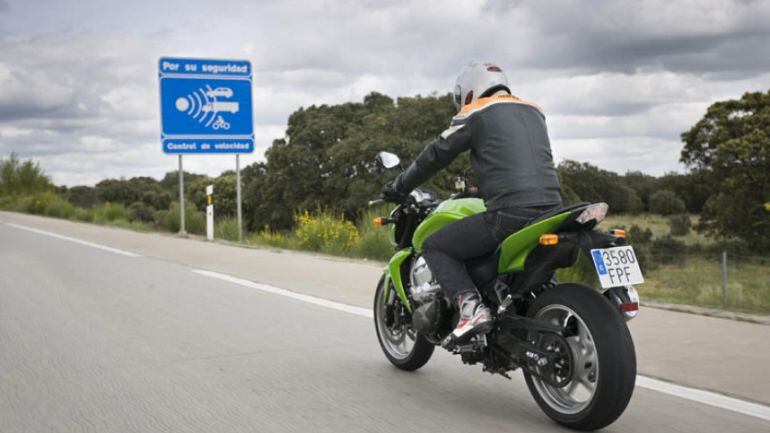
column 570, row 341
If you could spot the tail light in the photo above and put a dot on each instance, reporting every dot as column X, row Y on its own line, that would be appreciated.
column 596, row 211
column 626, row 299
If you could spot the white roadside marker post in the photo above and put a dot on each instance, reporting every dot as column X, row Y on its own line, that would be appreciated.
column 210, row 213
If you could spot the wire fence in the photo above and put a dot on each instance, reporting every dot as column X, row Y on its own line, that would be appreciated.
column 712, row 279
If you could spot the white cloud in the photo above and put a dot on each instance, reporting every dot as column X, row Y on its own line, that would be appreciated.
column 619, row 80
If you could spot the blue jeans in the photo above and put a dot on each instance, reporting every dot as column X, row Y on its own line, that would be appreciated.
column 479, row 235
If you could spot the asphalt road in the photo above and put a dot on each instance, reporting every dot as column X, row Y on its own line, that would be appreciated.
column 92, row 340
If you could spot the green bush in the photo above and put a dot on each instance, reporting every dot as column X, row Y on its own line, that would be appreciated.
column 21, row 204
column 680, row 224
column 226, row 228
column 274, row 239
column 37, row 203
column 641, row 240
column 731, row 246
column 108, row 212
column 80, row 214
column 326, row 233
column 47, row 203
column 373, row 243
column 639, row 236
column 195, row 220
column 59, row 209
column 666, row 202
column 7, row 202
column 141, row 211
column 667, row 250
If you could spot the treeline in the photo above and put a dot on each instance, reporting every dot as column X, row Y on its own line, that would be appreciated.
column 326, row 161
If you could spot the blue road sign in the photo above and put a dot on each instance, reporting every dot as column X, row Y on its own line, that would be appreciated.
column 205, row 106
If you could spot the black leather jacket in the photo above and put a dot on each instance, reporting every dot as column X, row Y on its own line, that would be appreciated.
column 510, row 153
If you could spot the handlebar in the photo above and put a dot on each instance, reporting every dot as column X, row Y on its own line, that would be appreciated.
column 470, row 191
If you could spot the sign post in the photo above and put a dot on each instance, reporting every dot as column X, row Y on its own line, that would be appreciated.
column 206, row 107
column 238, row 195
column 182, row 231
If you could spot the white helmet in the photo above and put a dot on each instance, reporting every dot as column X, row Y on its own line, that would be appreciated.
column 478, row 80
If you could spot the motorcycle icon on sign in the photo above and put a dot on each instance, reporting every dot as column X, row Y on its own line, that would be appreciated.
column 205, row 106
column 220, row 123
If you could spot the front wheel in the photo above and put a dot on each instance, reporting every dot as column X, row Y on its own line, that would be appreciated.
column 403, row 346
column 603, row 370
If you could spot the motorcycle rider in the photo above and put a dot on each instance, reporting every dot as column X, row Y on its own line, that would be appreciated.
column 510, row 154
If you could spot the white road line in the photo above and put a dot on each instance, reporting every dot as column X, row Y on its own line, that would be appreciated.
column 77, row 241
column 358, row 311
column 705, row 397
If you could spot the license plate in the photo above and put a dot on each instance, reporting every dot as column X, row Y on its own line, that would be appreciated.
column 617, row 266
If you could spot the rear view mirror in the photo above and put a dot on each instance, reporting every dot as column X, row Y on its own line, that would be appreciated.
column 388, row 160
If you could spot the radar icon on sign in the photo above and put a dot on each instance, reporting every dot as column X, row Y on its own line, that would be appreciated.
column 205, row 106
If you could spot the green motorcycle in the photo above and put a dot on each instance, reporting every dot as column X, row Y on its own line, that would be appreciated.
column 570, row 341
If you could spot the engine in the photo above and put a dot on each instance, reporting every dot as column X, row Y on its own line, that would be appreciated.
column 426, row 293
column 422, row 285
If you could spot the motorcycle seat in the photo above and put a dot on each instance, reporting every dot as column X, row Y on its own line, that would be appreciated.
column 555, row 211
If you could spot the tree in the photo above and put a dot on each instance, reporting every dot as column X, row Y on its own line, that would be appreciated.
column 593, row 184
column 693, row 188
column 142, row 189
column 666, row 202
column 170, row 182
column 224, row 199
column 643, row 184
column 82, row 196
column 17, row 177
column 679, row 224
column 327, row 159
column 730, row 145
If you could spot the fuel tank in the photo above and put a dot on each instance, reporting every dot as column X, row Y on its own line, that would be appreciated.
column 446, row 213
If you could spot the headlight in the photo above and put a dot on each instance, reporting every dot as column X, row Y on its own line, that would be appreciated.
column 596, row 211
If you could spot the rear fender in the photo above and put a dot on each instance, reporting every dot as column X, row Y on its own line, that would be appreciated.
column 393, row 274
column 543, row 260
column 516, row 247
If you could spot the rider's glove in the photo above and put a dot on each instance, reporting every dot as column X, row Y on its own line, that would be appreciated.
column 391, row 193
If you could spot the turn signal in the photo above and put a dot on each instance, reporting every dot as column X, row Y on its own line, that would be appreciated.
column 549, row 239
column 379, row 221
column 618, row 233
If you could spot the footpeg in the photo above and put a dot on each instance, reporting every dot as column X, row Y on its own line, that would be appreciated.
column 477, row 344
column 504, row 305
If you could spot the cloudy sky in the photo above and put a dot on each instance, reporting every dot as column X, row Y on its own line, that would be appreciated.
column 619, row 80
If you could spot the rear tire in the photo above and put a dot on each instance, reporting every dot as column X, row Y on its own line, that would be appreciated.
column 409, row 359
column 615, row 359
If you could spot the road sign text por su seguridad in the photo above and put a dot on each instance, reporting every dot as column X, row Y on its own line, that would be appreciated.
column 230, row 68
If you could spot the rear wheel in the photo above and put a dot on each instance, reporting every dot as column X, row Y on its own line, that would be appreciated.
column 603, row 360
column 403, row 346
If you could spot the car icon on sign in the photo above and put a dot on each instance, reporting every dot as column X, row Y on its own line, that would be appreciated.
column 220, row 92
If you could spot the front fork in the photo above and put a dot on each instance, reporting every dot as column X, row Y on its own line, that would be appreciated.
column 393, row 275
